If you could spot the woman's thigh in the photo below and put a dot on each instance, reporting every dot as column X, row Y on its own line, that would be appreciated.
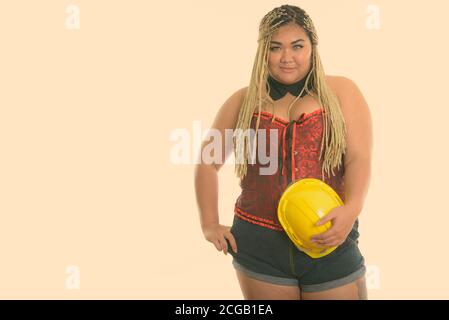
column 355, row 290
column 254, row 289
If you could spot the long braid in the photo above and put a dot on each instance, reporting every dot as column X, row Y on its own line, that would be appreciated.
column 333, row 144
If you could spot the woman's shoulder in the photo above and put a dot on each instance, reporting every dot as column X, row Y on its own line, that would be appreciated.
column 237, row 97
column 349, row 95
column 341, row 85
column 228, row 113
column 242, row 92
column 235, row 101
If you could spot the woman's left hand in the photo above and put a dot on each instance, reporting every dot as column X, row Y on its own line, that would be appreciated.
column 342, row 218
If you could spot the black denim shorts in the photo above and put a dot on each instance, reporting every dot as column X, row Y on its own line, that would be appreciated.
column 271, row 256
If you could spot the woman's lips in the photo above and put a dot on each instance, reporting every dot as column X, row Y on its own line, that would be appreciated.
column 288, row 70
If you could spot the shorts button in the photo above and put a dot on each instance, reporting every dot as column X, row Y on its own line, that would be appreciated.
column 296, row 169
column 295, row 153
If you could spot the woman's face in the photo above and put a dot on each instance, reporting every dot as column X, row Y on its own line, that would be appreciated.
column 290, row 53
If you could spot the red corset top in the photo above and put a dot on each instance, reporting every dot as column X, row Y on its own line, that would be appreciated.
column 298, row 148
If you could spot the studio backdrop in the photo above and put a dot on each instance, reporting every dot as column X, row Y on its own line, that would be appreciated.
column 103, row 105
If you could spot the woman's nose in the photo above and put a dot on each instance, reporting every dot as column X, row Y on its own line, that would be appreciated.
column 286, row 56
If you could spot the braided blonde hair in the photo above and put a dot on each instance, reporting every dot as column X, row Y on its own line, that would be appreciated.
column 333, row 144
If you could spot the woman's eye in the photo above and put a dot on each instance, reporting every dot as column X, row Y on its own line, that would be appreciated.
column 272, row 48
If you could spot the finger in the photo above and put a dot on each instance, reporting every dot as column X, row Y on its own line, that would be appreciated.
column 324, row 235
column 319, row 245
column 320, row 242
column 231, row 240
column 224, row 245
column 324, row 244
column 326, row 240
column 332, row 242
column 329, row 217
column 324, row 220
column 217, row 244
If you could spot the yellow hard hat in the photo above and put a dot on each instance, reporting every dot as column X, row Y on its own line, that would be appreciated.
column 302, row 204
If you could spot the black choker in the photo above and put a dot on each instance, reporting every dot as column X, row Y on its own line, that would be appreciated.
column 279, row 89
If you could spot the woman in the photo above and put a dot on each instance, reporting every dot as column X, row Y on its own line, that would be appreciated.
column 324, row 132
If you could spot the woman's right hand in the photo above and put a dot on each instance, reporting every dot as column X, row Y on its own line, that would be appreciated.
column 217, row 234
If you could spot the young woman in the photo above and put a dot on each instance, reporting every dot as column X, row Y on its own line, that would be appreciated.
column 324, row 132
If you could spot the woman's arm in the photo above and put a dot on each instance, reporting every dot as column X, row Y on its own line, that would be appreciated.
column 357, row 162
column 206, row 175
column 359, row 144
